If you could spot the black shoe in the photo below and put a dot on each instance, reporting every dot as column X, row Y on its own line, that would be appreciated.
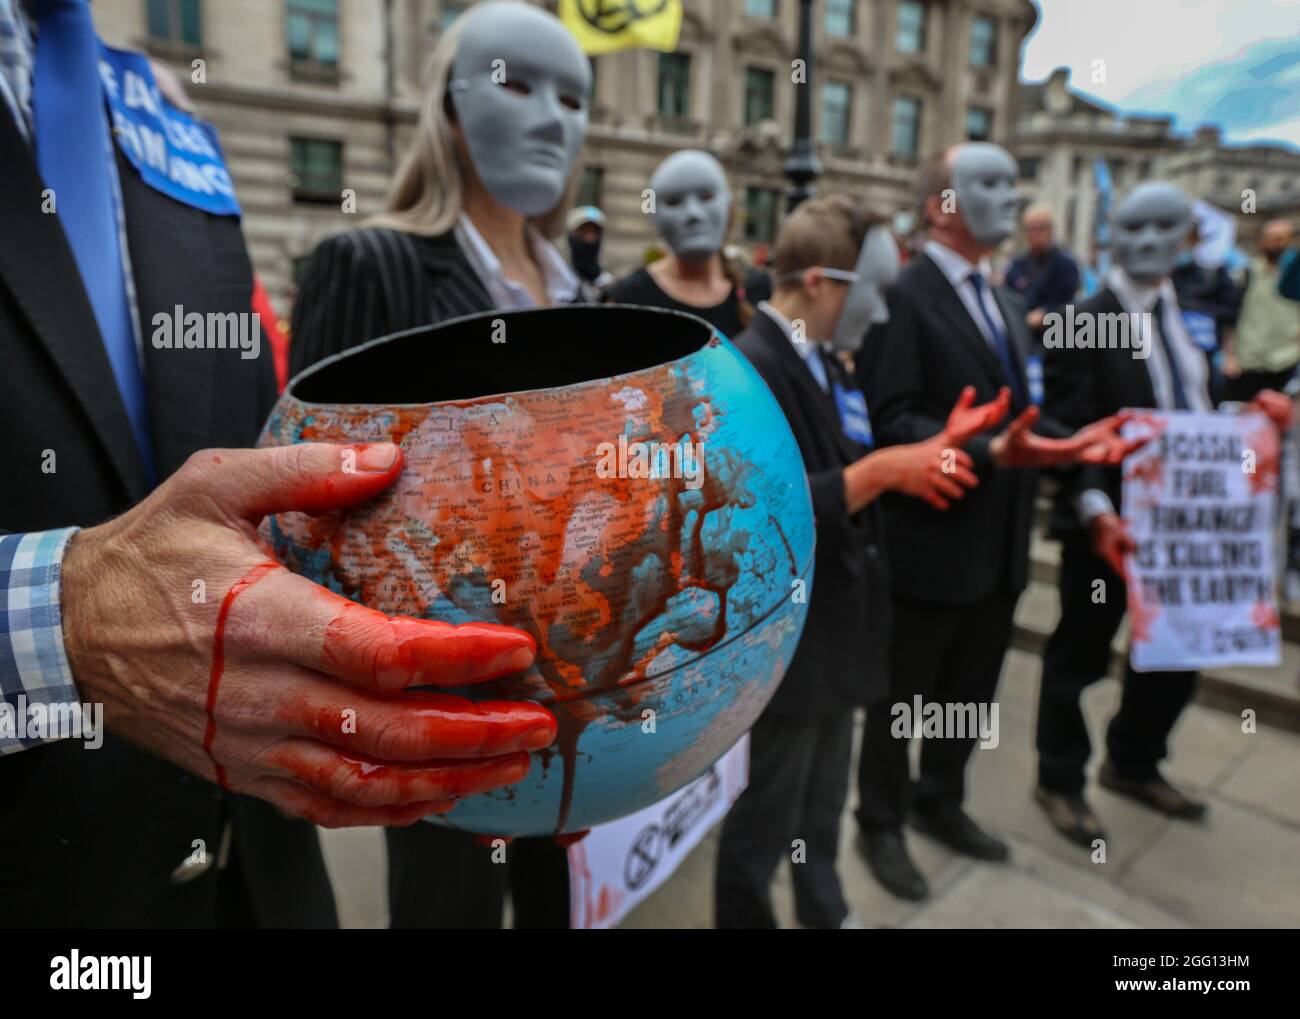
column 1155, row 793
column 1070, row 815
column 957, row 831
column 886, row 855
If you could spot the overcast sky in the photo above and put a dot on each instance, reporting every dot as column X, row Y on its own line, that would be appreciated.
column 1235, row 62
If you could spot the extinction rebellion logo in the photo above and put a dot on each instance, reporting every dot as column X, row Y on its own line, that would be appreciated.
column 613, row 16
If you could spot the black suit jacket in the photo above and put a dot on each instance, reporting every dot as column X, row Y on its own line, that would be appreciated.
column 373, row 281
column 842, row 655
column 912, row 369
column 1081, row 386
column 90, row 838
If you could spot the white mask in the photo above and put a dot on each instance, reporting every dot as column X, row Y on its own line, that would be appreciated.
column 692, row 204
column 519, row 87
column 876, row 268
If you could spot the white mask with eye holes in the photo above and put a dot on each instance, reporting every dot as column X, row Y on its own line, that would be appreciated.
column 1151, row 224
column 692, row 204
column 864, row 306
column 984, row 182
column 519, row 87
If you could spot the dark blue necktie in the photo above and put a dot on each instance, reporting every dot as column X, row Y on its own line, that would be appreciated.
column 72, row 153
column 1175, row 371
column 1001, row 344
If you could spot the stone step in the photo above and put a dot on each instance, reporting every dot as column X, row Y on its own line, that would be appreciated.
column 1272, row 693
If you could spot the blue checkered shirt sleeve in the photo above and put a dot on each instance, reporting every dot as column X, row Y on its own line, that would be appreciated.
column 33, row 663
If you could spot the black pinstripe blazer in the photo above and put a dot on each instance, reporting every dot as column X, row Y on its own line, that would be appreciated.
column 373, row 281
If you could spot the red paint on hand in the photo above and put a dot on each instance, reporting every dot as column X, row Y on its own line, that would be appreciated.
column 219, row 658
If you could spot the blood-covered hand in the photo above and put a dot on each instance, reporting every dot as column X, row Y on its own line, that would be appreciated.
column 965, row 420
column 206, row 652
column 935, row 471
column 1097, row 443
column 1111, row 541
column 1278, row 407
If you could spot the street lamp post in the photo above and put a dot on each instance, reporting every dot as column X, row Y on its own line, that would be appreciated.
column 802, row 167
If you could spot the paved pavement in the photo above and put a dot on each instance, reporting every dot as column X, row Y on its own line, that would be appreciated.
column 1238, row 868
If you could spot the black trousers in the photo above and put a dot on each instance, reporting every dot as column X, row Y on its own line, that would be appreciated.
column 798, row 781
column 439, row 878
column 946, row 654
column 1077, row 655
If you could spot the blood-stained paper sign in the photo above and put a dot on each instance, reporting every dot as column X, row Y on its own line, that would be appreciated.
column 619, row 864
column 1199, row 501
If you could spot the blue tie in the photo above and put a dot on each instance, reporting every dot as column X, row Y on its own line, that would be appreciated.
column 1000, row 342
column 73, row 153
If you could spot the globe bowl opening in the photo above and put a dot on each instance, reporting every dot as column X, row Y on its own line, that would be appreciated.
column 503, row 352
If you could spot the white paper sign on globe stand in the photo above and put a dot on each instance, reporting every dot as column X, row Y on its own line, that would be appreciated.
column 1200, row 500
column 619, row 864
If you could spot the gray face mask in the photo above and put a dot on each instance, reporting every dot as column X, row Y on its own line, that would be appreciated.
column 692, row 204
column 1151, row 224
column 984, row 182
column 519, row 87
column 865, row 306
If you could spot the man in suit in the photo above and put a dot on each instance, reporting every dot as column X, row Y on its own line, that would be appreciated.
column 134, row 595
column 1162, row 368
column 830, row 260
column 956, row 575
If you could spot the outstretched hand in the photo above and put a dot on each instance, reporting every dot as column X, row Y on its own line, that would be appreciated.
column 965, row 420
column 1097, row 443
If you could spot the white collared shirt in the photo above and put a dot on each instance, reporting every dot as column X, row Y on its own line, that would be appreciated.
column 958, row 270
column 806, row 349
column 1137, row 299
column 561, row 281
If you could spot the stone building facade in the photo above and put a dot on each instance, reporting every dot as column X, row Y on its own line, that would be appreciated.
column 312, row 97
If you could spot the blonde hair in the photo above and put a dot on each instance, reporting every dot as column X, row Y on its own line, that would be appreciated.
column 427, row 193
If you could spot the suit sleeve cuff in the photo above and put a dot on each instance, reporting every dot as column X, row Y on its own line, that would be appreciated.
column 34, row 670
column 1091, row 504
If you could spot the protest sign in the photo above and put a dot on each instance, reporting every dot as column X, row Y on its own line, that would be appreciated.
column 1199, row 501
column 619, row 864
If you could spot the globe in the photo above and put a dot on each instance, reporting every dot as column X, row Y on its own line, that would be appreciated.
column 617, row 481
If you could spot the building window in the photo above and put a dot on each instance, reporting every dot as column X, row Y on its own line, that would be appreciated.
column 313, row 33
column 983, row 41
column 839, row 17
column 316, row 169
column 905, row 127
column 760, row 214
column 449, row 13
column 761, row 9
column 675, row 86
column 591, row 186
column 834, row 116
column 910, row 34
column 1029, row 167
column 175, row 21
column 979, row 123
column 760, row 86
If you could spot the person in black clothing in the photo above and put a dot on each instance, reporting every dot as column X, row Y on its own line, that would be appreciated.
column 466, row 231
column 1045, row 276
column 1082, row 384
column 801, row 745
column 958, row 575
column 692, row 212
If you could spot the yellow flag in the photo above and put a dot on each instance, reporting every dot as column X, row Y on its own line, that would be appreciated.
column 603, row 26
